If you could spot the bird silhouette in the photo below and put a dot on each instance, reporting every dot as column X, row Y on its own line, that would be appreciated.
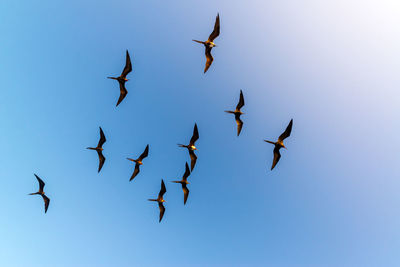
column 279, row 144
column 160, row 200
column 99, row 149
column 122, row 78
column 41, row 192
column 139, row 162
column 209, row 44
column 184, row 183
column 238, row 113
column 191, row 147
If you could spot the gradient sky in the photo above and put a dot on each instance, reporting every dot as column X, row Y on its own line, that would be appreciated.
column 333, row 199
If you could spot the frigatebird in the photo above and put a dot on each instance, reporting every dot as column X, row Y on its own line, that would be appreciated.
column 237, row 113
column 41, row 192
column 160, row 200
column 279, row 144
column 99, row 149
column 184, row 183
column 209, row 44
column 122, row 78
column 191, row 147
column 139, row 162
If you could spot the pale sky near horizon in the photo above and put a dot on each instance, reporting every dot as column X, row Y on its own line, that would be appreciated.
column 332, row 66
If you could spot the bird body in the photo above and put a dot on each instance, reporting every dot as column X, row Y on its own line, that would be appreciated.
column 209, row 44
column 122, row 78
column 279, row 144
column 238, row 113
column 191, row 147
column 99, row 149
column 184, row 183
column 139, row 161
column 42, row 193
column 160, row 200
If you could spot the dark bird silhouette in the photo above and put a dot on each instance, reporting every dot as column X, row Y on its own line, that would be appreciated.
column 139, row 162
column 99, row 149
column 122, row 78
column 237, row 113
column 209, row 44
column 191, row 147
column 41, row 192
column 279, row 144
column 184, row 183
column 161, row 200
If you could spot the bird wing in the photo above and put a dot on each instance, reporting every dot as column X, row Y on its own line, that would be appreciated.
column 102, row 138
column 287, row 132
column 122, row 92
column 241, row 101
column 46, row 202
column 128, row 65
column 209, row 59
column 277, row 156
column 195, row 135
column 144, row 154
column 187, row 172
column 163, row 189
column 135, row 172
column 41, row 183
column 239, row 123
column 162, row 210
column 102, row 159
column 185, row 193
column 215, row 32
column 193, row 159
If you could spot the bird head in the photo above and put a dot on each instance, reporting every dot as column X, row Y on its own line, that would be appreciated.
column 162, row 200
column 193, row 147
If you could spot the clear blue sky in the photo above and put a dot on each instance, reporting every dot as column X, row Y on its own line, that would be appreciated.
column 332, row 66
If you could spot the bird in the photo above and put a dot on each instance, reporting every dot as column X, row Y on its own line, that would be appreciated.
column 279, row 144
column 41, row 192
column 122, row 78
column 99, row 149
column 191, row 147
column 139, row 162
column 209, row 44
column 184, row 183
column 161, row 200
column 237, row 113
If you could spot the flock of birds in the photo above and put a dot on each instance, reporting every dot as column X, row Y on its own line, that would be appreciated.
column 209, row 44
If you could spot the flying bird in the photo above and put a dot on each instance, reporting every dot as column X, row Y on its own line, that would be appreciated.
column 139, row 162
column 191, row 147
column 122, row 78
column 99, row 149
column 237, row 113
column 279, row 144
column 184, row 183
column 209, row 44
column 160, row 200
column 41, row 192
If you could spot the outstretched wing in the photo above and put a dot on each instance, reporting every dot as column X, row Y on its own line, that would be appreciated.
column 144, row 154
column 195, row 135
column 185, row 193
column 187, row 172
column 135, row 172
column 215, row 32
column 46, row 203
column 128, row 66
column 239, row 123
column 277, row 156
column 163, row 189
column 102, row 138
column 287, row 132
column 102, row 159
column 162, row 210
column 241, row 101
column 122, row 92
column 193, row 159
column 41, row 183
column 209, row 59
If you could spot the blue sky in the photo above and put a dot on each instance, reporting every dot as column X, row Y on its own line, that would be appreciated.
column 332, row 66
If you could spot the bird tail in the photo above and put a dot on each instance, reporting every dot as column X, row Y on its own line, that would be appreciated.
column 200, row 42
column 269, row 142
column 178, row 182
column 228, row 111
column 91, row 148
column 180, row 145
column 112, row 78
column 134, row 160
column 37, row 193
column 151, row 199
